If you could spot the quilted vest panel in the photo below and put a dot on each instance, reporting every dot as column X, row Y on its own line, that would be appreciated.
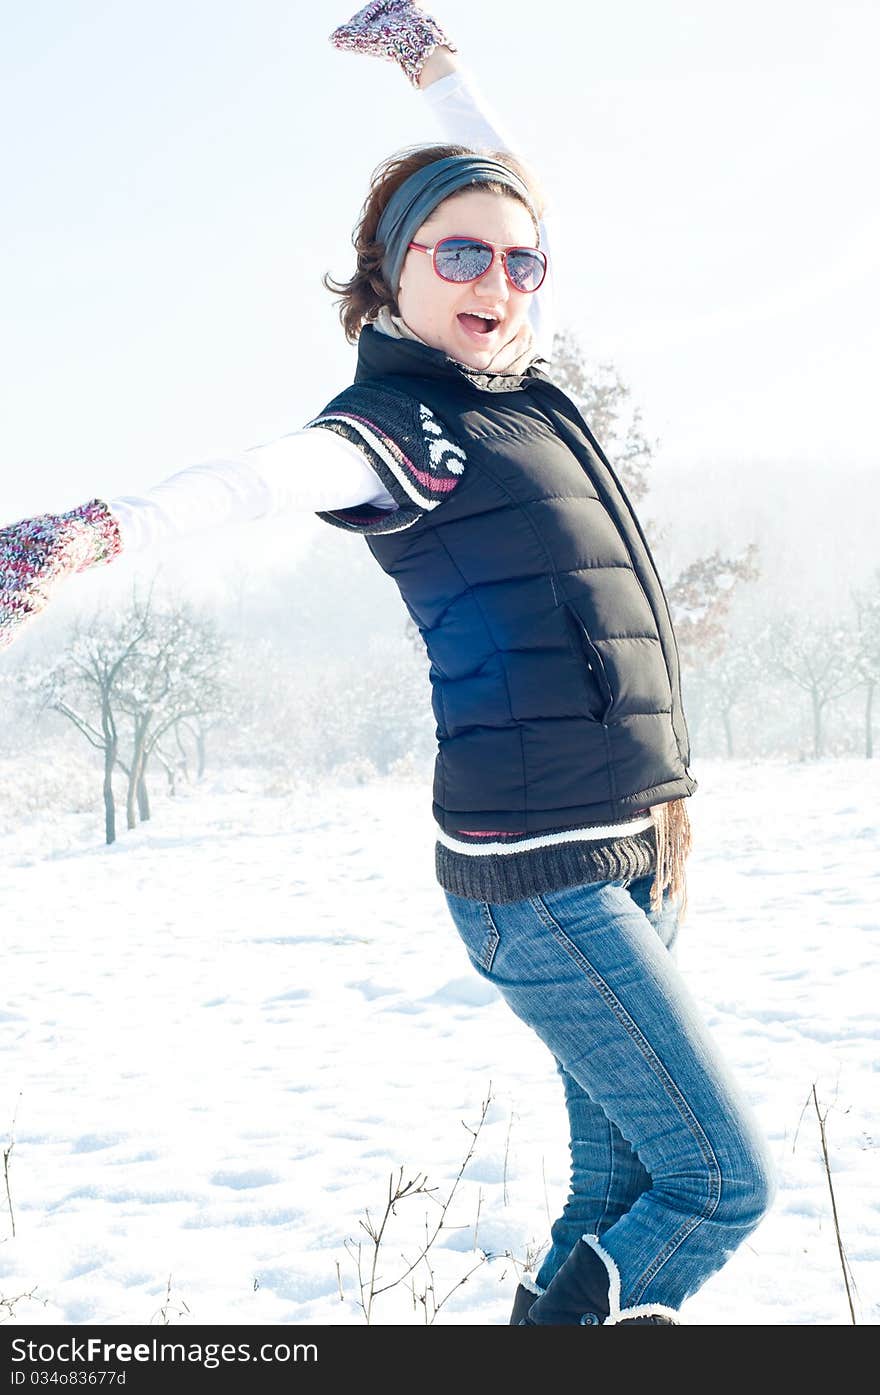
column 553, row 665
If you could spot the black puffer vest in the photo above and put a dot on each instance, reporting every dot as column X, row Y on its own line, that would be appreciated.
column 553, row 663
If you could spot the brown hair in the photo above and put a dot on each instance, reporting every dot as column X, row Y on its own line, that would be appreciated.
column 362, row 297
column 674, row 841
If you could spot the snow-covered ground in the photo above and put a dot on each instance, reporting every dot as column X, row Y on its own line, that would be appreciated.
column 224, row 1034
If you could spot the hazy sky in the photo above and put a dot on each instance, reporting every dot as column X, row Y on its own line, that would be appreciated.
column 177, row 177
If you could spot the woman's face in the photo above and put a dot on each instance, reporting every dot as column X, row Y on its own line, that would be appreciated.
column 433, row 308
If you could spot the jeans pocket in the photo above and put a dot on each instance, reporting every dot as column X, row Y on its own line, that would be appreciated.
column 478, row 931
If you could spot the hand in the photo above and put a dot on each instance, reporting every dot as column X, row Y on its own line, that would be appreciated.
column 394, row 29
column 37, row 553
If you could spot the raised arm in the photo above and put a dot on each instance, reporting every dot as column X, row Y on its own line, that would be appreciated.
column 466, row 118
column 402, row 32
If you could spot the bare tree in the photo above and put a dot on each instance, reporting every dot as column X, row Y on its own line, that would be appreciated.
column 198, row 728
column 819, row 658
column 867, row 658
column 86, row 676
column 146, row 670
column 700, row 598
column 730, row 679
column 175, row 675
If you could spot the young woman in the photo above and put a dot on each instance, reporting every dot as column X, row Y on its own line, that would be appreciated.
column 562, row 762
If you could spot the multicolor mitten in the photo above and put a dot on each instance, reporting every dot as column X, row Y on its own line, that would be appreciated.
column 37, row 553
column 396, row 30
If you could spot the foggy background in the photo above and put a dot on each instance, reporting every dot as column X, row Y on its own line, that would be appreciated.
column 180, row 178
column 182, row 1090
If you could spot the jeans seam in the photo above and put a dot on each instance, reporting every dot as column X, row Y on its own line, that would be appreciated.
column 673, row 1093
column 610, row 1174
column 491, row 944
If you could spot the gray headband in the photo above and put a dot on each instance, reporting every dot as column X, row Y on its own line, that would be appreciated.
column 420, row 194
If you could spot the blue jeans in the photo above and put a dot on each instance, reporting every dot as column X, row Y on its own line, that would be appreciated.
column 669, row 1166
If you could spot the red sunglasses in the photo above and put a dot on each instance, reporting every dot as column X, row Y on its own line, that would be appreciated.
column 468, row 258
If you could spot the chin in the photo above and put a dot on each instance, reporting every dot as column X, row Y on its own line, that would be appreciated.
column 472, row 358
column 471, row 354
column 478, row 360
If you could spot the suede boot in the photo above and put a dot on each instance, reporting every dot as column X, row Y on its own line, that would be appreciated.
column 526, row 1293
column 656, row 1318
column 585, row 1291
column 577, row 1293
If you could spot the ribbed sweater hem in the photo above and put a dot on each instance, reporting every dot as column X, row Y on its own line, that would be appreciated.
column 496, row 877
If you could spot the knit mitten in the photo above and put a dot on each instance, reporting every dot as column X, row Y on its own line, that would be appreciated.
column 393, row 29
column 37, row 553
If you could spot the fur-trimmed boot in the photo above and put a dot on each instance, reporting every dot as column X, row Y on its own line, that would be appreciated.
column 654, row 1318
column 585, row 1291
column 526, row 1293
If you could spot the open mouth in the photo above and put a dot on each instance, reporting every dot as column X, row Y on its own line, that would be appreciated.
column 477, row 326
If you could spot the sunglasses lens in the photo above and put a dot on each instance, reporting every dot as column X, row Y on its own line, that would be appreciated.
column 459, row 259
column 525, row 268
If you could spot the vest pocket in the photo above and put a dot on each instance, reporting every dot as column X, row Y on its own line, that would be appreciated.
column 595, row 674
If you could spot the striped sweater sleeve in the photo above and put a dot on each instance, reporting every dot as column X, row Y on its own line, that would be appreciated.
column 412, row 452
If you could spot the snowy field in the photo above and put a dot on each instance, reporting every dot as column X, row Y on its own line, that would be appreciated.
column 221, row 1036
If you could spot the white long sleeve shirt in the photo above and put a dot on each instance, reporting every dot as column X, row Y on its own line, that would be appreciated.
column 311, row 471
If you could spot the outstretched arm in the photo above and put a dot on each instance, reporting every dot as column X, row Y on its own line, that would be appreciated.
column 302, row 472
column 306, row 471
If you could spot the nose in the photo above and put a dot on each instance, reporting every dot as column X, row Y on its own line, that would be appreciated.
column 494, row 280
